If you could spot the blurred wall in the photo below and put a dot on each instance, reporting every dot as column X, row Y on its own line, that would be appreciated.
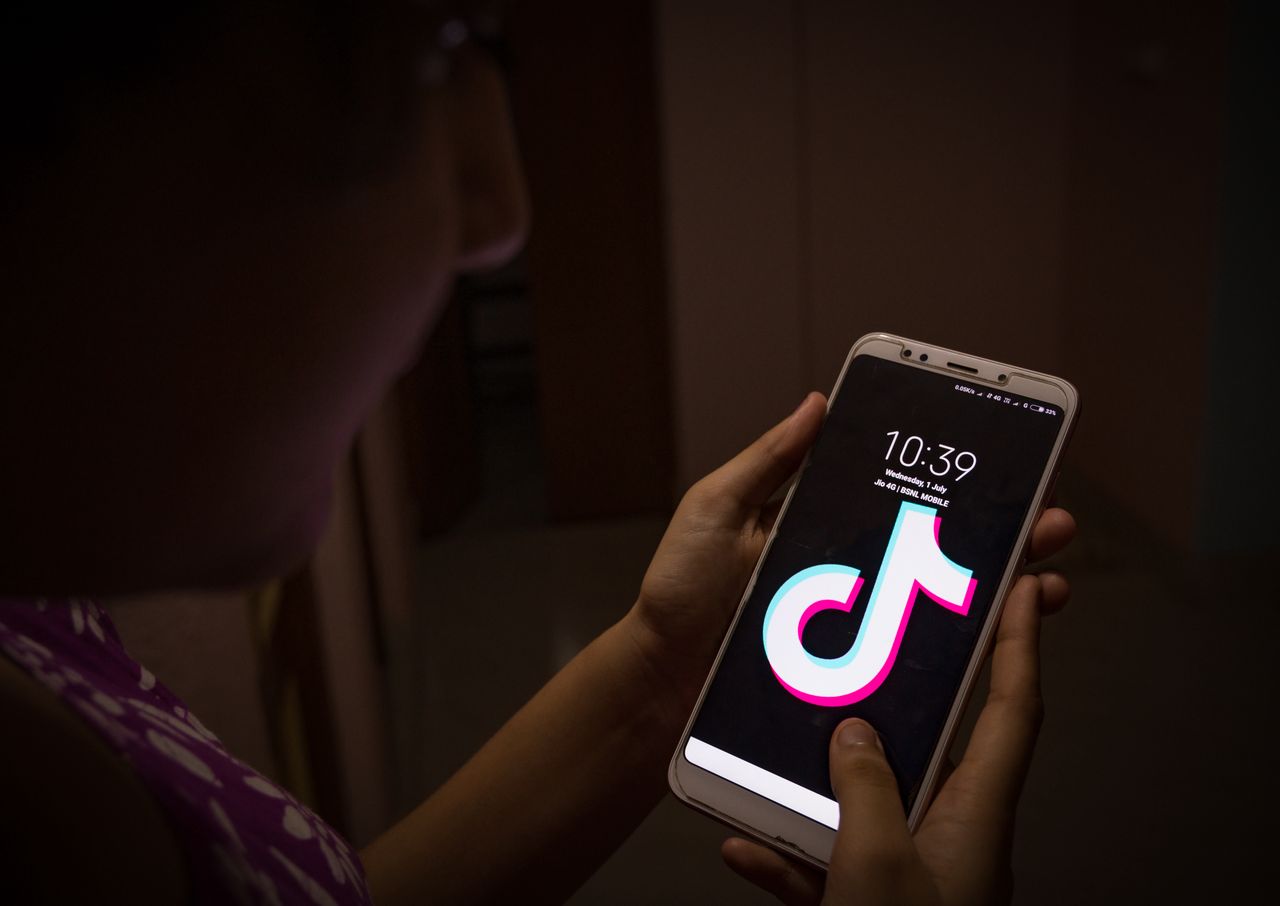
column 1238, row 446
column 935, row 148
column 835, row 169
column 582, row 87
column 1146, row 132
column 1032, row 182
column 728, row 86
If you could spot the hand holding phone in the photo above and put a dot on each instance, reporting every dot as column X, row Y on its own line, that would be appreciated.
column 879, row 590
column 960, row 853
column 695, row 579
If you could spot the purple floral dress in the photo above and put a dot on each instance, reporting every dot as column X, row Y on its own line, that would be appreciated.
column 244, row 838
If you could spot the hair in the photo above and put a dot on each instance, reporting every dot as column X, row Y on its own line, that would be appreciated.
column 58, row 63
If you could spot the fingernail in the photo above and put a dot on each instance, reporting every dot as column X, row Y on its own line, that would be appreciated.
column 857, row 733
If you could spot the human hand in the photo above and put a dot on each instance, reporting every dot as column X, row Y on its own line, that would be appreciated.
column 961, row 851
column 696, row 576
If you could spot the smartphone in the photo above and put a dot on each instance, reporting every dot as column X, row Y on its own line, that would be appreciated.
column 880, row 587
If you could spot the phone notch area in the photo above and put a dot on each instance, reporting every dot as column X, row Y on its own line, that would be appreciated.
column 960, row 367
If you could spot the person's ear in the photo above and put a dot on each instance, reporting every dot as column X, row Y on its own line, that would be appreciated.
column 493, row 203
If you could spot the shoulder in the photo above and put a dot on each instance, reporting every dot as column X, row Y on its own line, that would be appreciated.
column 72, row 812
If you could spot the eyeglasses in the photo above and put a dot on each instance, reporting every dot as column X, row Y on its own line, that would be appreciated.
column 477, row 24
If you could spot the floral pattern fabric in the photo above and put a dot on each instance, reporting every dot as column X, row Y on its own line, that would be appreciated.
column 244, row 838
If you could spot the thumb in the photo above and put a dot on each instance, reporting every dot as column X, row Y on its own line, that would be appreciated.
column 872, row 844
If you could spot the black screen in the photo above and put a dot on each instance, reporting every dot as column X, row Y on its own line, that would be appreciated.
column 895, row 434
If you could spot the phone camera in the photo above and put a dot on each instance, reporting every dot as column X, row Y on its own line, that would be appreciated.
column 906, row 353
column 1003, row 378
column 924, row 356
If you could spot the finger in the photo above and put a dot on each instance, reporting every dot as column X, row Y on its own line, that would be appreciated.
column 1052, row 532
column 872, row 841
column 750, row 478
column 1055, row 592
column 768, row 869
column 999, row 752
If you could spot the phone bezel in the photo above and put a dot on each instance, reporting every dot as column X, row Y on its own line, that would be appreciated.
column 774, row 824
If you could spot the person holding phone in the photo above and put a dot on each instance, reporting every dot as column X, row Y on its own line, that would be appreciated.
column 226, row 229
column 880, row 590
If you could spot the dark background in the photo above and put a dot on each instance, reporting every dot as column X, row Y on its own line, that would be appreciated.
column 837, row 515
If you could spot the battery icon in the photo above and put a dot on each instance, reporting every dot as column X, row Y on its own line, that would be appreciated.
column 1034, row 408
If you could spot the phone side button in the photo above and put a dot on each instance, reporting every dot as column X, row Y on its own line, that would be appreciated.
column 1050, row 490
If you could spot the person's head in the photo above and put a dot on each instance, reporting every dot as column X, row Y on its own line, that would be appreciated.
column 226, row 230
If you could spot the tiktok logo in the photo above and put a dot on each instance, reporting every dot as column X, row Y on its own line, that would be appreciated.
column 912, row 563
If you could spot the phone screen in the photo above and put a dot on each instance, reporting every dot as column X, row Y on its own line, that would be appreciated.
column 875, row 589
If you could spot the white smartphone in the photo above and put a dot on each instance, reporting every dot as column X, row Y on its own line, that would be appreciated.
column 880, row 588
